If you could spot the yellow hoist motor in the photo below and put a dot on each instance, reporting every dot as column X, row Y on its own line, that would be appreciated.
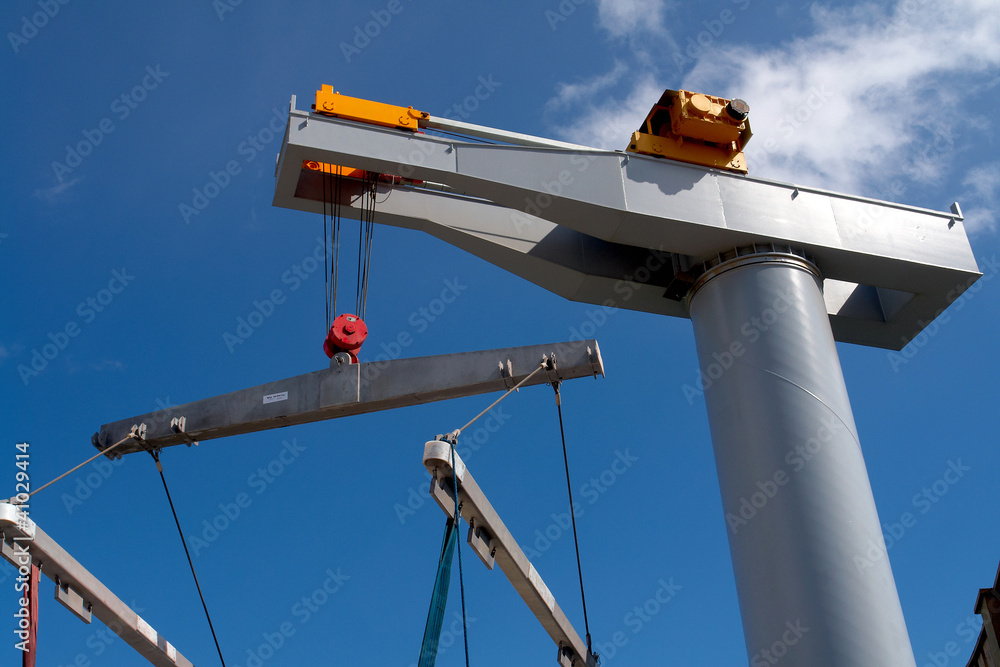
column 695, row 128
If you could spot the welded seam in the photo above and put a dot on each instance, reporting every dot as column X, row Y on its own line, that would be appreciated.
column 818, row 399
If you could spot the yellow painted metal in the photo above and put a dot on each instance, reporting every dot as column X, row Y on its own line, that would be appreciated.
column 348, row 172
column 695, row 128
column 332, row 103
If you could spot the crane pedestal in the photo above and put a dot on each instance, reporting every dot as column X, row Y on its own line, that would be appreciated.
column 812, row 576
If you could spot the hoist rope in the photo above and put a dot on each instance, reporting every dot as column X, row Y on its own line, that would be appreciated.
column 326, row 259
column 572, row 514
column 366, row 234
column 461, row 576
column 333, row 191
column 75, row 468
column 339, row 182
column 159, row 467
column 458, row 431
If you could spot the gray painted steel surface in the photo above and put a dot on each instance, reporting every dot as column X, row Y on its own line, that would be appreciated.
column 815, row 587
column 351, row 389
column 476, row 508
column 56, row 563
column 897, row 266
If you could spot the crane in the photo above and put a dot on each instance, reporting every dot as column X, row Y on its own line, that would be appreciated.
column 771, row 275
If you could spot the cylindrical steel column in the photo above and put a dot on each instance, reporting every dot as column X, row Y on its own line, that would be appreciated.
column 812, row 575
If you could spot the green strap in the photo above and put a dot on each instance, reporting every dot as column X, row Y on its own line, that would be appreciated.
column 439, row 598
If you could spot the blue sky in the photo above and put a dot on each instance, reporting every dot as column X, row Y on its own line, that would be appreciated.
column 98, row 258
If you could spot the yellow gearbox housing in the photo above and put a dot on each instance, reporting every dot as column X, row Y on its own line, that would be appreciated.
column 696, row 128
column 332, row 103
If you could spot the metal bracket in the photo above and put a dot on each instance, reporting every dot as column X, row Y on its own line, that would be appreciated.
column 178, row 425
column 507, row 375
column 441, row 492
column 596, row 364
column 479, row 540
column 340, row 361
column 73, row 601
column 549, row 362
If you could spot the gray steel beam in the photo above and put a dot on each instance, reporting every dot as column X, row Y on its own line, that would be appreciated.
column 78, row 583
column 588, row 269
column 478, row 512
column 894, row 267
column 349, row 389
column 493, row 134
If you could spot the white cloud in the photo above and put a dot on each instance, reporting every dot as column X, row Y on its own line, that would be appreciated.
column 872, row 98
column 869, row 97
column 609, row 122
column 572, row 93
column 623, row 18
column 983, row 194
column 49, row 194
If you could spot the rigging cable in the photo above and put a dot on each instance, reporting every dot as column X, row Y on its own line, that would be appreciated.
column 572, row 513
column 461, row 577
column 517, row 386
column 159, row 467
column 100, row 453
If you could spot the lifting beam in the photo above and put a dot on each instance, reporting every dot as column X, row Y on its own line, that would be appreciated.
column 79, row 590
column 348, row 389
column 493, row 543
column 727, row 251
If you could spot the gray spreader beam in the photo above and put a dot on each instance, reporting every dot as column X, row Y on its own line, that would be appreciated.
column 79, row 587
column 496, row 543
column 350, row 389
